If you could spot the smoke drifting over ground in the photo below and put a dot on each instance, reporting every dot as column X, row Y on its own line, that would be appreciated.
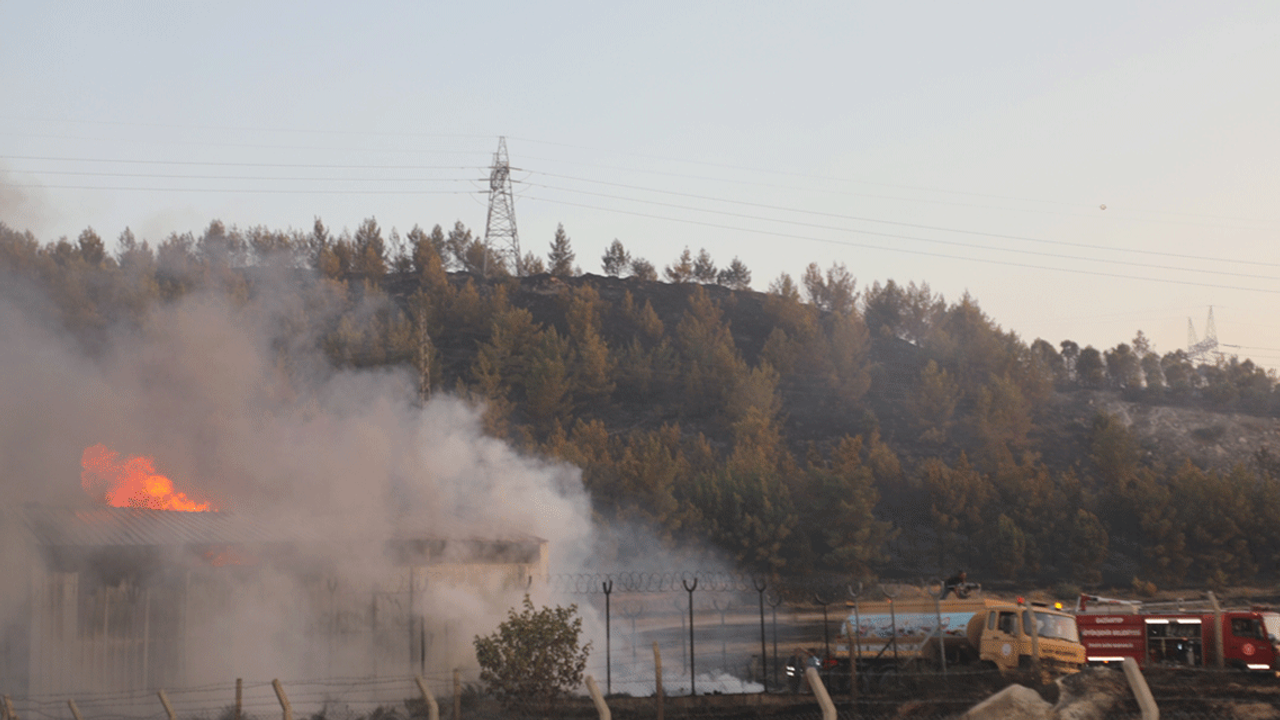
column 237, row 410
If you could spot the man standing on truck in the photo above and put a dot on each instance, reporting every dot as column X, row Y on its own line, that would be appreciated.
column 957, row 584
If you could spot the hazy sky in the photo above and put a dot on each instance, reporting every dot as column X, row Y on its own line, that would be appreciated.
column 971, row 148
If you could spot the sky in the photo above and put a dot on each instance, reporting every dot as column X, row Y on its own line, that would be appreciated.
column 1084, row 171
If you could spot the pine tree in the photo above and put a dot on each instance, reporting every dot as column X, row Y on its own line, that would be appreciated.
column 642, row 269
column 682, row 270
column 704, row 268
column 616, row 259
column 736, row 276
column 560, row 259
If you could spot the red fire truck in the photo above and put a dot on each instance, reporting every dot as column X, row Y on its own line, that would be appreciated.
column 1178, row 634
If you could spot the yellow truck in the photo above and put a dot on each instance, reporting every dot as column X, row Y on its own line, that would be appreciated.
column 923, row 633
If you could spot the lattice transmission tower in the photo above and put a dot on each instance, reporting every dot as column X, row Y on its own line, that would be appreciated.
column 501, row 241
column 1206, row 349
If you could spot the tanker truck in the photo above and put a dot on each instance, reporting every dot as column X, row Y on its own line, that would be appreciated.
column 927, row 634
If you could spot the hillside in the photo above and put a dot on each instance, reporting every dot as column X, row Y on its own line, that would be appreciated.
column 810, row 429
column 1209, row 437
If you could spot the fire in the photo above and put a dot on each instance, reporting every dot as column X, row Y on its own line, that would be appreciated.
column 131, row 482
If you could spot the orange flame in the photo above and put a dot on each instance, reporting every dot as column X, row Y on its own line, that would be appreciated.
column 131, row 482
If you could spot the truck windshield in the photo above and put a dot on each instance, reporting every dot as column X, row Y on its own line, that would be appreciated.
column 1061, row 627
column 1271, row 622
column 1247, row 628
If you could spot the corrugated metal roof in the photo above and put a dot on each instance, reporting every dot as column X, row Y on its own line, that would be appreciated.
column 108, row 526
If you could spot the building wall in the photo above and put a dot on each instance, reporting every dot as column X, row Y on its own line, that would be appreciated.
column 191, row 626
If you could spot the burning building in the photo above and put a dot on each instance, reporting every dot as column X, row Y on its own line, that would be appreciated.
column 119, row 598
column 300, row 521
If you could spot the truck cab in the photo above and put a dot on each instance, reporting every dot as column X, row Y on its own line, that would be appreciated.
column 1012, row 636
column 926, row 633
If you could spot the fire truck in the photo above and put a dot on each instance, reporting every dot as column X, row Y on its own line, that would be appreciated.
column 1179, row 634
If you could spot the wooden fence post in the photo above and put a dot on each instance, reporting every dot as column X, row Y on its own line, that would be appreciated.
column 1141, row 691
column 457, row 694
column 433, row 710
column 820, row 692
column 168, row 709
column 75, row 711
column 284, row 699
column 602, row 708
column 239, row 697
column 657, row 676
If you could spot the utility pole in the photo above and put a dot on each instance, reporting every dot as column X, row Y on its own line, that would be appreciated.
column 501, row 242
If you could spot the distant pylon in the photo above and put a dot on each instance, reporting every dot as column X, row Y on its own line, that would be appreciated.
column 1201, row 350
column 500, row 237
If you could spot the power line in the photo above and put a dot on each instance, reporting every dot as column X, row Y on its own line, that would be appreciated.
column 901, row 186
column 325, row 166
column 910, row 237
column 827, row 178
column 661, row 158
column 885, row 222
column 846, row 243
column 842, row 193
column 243, row 191
column 163, row 176
column 257, row 146
column 176, row 126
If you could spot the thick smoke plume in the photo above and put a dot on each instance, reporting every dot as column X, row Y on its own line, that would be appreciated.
column 236, row 406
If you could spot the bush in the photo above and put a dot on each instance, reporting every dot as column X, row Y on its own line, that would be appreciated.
column 1144, row 588
column 534, row 657
column 1067, row 591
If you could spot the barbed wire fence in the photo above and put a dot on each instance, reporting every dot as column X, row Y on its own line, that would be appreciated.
column 718, row 641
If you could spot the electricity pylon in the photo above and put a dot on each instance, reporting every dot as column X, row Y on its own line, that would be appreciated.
column 1202, row 350
column 500, row 238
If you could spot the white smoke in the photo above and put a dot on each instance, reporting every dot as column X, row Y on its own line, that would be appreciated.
column 235, row 411
column 236, row 404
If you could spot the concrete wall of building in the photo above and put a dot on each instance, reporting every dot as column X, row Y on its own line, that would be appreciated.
column 189, row 626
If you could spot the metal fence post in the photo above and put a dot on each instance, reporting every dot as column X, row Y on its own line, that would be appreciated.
column 893, row 619
column 855, row 641
column 942, row 640
column 657, row 677
column 607, row 587
column 774, row 602
column 826, row 633
column 693, row 690
column 631, row 611
column 764, row 660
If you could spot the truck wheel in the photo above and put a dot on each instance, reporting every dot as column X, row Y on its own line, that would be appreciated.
column 889, row 680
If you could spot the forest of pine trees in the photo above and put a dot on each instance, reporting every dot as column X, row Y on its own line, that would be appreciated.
column 816, row 427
